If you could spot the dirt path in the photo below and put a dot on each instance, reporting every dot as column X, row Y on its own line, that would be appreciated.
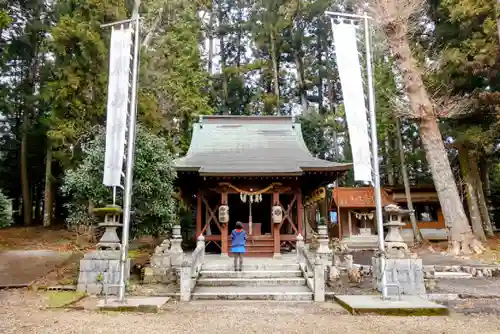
column 21, row 313
column 20, row 268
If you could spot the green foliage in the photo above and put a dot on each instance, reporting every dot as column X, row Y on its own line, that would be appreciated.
column 319, row 132
column 5, row 19
column 152, row 203
column 173, row 79
column 5, row 211
column 77, row 89
column 466, row 39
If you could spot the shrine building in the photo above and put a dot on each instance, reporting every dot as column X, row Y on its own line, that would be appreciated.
column 257, row 170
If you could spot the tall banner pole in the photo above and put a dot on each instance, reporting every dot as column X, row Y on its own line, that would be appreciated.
column 122, row 102
column 375, row 178
column 376, row 170
column 127, row 193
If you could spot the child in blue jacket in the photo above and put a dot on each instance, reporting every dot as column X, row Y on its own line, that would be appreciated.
column 239, row 238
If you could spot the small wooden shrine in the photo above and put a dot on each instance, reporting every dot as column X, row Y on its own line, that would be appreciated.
column 253, row 169
column 427, row 208
column 356, row 219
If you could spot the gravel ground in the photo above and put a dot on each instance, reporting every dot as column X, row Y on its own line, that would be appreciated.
column 22, row 312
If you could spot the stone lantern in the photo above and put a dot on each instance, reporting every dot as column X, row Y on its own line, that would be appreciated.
column 109, row 240
column 394, row 242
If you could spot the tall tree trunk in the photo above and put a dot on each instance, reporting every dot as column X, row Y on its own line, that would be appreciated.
column 485, row 181
column 470, row 192
column 481, row 200
column 223, row 56
column 274, row 59
column 322, row 47
column 238, row 37
column 301, row 79
column 498, row 20
column 394, row 22
column 27, row 204
column 210, row 40
column 388, row 161
column 38, row 195
column 404, row 173
column 47, row 202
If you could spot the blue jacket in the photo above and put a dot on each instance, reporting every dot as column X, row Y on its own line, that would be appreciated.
column 239, row 238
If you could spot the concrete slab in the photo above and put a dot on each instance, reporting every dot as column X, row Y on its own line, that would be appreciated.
column 408, row 305
column 134, row 304
column 451, row 275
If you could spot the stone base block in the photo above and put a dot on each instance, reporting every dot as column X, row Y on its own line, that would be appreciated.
column 405, row 272
column 99, row 269
column 342, row 260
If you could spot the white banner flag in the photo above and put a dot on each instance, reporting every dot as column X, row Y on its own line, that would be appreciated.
column 346, row 51
column 116, row 118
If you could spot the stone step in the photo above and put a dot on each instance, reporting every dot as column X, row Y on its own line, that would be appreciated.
column 283, row 293
column 250, row 282
column 451, row 274
column 250, row 274
column 258, row 248
column 260, row 254
column 257, row 243
column 252, row 266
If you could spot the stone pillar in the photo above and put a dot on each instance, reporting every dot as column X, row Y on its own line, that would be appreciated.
column 201, row 243
column 299, row 245
column 176, row 248
column 319, row 280
column 185, row 281
column 323, row 240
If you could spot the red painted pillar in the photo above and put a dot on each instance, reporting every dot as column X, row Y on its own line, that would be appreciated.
column 199, row 208
column 224, row 229
column 300, row 212
column 276, row 228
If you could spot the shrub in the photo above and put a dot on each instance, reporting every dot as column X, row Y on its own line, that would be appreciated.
column 153, row 207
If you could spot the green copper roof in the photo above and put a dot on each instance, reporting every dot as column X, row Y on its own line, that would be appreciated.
column 244, row 145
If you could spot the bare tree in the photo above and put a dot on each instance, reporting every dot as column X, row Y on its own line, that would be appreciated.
column 394, row 19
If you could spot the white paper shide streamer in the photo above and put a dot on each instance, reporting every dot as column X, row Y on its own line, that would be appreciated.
column 116, row 118
column 346, row 51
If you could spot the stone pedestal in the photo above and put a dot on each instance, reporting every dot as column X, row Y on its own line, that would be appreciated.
column 176, row 254
column 401, row 268
column 161, row 265
column 405, row 272
column 101, row 268
column 342, row 259
column 323, row 247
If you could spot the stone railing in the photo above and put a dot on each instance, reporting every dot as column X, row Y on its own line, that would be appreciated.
column 313, row 271
column 190, row 270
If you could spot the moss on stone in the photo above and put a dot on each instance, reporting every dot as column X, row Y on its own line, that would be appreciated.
column 114, row 209
column 59, row 299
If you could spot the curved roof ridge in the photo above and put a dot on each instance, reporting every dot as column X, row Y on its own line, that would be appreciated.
column 251, row 144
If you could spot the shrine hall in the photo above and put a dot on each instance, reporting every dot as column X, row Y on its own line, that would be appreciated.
column 253, row 169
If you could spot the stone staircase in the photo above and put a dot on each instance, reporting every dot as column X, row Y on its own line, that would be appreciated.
column 283, row 282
